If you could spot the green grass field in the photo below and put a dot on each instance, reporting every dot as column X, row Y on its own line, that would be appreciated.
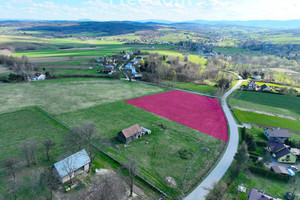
column 66, row 95
column 160, row 157
column 267, row 120
column 204, row 89
column 272, row 103
column 25, row 124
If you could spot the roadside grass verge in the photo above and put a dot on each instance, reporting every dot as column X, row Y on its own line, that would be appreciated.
column 157, row 153
column 251, row 117
column 271, row 103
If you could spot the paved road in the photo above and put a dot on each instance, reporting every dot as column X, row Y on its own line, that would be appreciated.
column 199, row 193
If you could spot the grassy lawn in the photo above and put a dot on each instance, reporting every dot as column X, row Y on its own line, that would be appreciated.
column 251, row 117
column 272, row 103
column 65, row 95
column 204, row 89
column 24, row 124
column 160, row 157
column 271, row 186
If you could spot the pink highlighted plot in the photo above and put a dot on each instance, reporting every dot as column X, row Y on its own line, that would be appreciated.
column 198, row 112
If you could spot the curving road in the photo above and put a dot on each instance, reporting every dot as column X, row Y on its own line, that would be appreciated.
column 199, row 193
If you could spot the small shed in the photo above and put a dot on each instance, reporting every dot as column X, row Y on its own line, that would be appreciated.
column 72, row 166
column 132, row 133
column 279, row 170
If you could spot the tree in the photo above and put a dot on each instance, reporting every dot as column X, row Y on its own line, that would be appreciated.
column 10, row 164
column 252, row 146
column 48, row 144
column 112, row 187
column 48, row 179
column 243, row 133
column 13, row 188
column 28, row 148
column 241, row 157
column 68, row 165
column 216, row 192
column 132, row 168
column 81, row 135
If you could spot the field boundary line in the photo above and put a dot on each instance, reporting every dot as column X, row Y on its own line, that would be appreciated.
column 104, row 152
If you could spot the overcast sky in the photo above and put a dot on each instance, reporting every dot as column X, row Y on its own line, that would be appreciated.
column 173, row 10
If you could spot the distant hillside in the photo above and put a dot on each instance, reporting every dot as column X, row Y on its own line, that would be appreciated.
column 76, row 27
column 289, row 24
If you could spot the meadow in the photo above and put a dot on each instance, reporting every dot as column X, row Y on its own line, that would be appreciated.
column 29, row 123
column 157, row 153
column 66, row 95
column 101, row 100
column 271, row 103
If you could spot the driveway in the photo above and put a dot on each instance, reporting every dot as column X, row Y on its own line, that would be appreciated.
column 199, row 193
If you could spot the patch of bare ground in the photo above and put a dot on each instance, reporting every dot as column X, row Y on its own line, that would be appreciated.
column 55, row 59
column 64, row 67
column 105, row 184
column 83, row 48
column 4, row 69
column 265, row 113
column 5, row 52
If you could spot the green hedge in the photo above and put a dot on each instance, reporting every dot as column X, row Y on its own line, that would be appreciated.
column 268, row 173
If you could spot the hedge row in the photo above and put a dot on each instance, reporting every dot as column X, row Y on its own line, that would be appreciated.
column 268, row 173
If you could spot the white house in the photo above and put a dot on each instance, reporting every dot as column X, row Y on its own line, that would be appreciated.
column 72, row 166
column 256, row 76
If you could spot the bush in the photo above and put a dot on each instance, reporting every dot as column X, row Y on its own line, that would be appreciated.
column 261, row 144
column 184, row 154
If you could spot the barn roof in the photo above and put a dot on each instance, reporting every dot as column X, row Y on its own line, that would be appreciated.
column 128, row 132
column 278, row 133
column 72, row 163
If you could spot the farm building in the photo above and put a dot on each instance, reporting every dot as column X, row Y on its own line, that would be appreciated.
column 279, row 170
column 279, row 134
column 72, row 166
column 265, row 88
column 252, row 85
column 281, row 152
column 132, row 133
column 254, row 194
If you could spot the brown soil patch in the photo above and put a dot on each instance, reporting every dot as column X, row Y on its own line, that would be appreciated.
column 65, row 67
column 83, row 48
column 5, row 52
column 55, row 59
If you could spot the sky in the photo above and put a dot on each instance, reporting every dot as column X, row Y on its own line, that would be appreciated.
column 172, row 10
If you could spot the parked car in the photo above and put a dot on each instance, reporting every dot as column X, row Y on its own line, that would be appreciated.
column 294, row 168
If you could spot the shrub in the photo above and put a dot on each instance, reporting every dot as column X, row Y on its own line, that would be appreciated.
column 267, row 173
column 184, row 154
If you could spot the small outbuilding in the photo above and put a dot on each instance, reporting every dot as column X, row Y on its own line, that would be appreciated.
column 279, row 134
column 254, row 194
column 132, row 133
column 279, row 170
column 72, row 166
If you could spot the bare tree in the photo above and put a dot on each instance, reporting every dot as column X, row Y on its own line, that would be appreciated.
column 111, row 188
column 132, row 168
column 25, row 150
column 216, row 192
column 82, row 135
column 10, row 164
column 49, row 180
column 28, row 148
column 13, row 189
column 48, row 144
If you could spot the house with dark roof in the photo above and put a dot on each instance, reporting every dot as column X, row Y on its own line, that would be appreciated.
column 280, row 134
column 72, row 166
column 254, row 194
column 132, row 133
column 265, row 88
column 281, row 152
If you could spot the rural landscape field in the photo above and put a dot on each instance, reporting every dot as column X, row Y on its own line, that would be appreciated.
column 148, row 109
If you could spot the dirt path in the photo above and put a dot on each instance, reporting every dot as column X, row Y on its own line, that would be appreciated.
column 265, row 113
column 57, row 59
